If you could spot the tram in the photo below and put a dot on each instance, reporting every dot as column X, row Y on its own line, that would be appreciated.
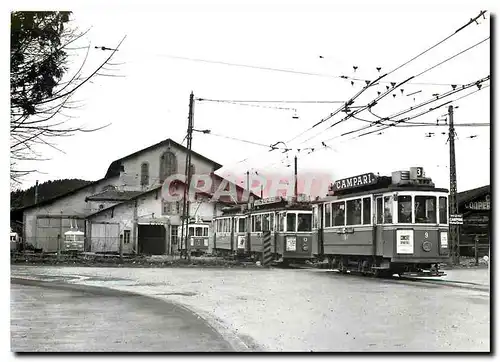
column 240, row 230
column 383, row 225
column 198, row 238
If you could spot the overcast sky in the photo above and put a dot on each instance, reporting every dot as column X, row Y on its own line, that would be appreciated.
column 150, row 103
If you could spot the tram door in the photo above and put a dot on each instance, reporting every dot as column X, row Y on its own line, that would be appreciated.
column 317, row 230
column 378, row 222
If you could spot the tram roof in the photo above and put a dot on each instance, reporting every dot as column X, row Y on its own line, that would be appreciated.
column 390, row 188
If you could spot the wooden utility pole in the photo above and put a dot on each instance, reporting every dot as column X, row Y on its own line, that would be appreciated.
column 36, row 192
column 455, row 252
column 185, row 203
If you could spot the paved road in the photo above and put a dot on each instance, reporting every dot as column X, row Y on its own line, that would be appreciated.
column 308, row 310
column 58, row 320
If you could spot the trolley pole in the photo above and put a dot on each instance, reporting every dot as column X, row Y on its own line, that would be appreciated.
column 185, row 204
column 455, row 252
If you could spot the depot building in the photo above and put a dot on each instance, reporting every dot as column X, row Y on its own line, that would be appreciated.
column 475, row 206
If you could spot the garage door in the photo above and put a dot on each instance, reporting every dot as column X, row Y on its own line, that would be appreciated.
column 105, row 237
column 152, row 239
column 48, row 229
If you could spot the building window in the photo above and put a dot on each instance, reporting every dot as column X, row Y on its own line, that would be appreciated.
column 168, row 165
column 126, row 237
column 145, row 174
column 174, row 233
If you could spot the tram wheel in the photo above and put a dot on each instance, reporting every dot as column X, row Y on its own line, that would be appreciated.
column 342, row 267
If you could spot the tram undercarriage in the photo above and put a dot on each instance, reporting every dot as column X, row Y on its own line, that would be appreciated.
column 381, row 267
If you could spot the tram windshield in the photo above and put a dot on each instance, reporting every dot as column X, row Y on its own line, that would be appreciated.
column 241, row 225
column 305, row 222
column 404, row 209
column 425, row 210
column 291, row 219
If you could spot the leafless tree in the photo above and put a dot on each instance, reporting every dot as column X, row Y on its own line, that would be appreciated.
column 43, row 45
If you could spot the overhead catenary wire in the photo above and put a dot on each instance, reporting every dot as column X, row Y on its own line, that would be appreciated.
column 375, row 101
column 372, row 83
column 397, row 68
column 471, row 21
column 395, row 123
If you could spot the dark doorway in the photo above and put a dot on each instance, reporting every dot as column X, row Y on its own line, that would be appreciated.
column 151, row 239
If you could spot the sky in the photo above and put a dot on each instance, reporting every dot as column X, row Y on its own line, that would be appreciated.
column 149, row 102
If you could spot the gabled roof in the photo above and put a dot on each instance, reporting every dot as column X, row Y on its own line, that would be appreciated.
column 55, row 198
column 154, row 189
column 114, row 168
column 469, row 195
column 113, row 195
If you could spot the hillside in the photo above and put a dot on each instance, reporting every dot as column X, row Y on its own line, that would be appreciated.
column 46, row 190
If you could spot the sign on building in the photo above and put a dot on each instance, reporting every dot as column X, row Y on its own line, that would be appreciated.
column 479, row 204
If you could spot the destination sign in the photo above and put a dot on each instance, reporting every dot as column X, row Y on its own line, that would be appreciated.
column 269, row 200
column 353, row 182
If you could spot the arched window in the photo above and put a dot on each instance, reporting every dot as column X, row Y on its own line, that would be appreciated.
column 144, row 174
column 168, row 165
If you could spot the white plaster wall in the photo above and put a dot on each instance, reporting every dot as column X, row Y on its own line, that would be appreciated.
column 73, row 205
column 131, row 176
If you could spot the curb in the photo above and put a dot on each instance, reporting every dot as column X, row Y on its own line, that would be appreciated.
column 233, row 340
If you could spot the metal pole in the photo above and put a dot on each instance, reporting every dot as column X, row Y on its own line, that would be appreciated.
column 296, row 191
column 476, row 254
column 453, row 189
column 248, row 182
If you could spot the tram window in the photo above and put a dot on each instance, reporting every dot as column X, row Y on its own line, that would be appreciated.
column 258, row 223
column 305, row 222
column 380, row 214
column 388, row 203
column 291, row 221
column 271, row 222
column 338, row 213
column 199, row 231
column 328, row 215
column 205, row 231
column 191, row 231
column 353, row 212
column 443, row 210
column 282, row 221
column 241, row 225
column 425, row 210
column 367, row 211
column 265, row 222
column 404, row 209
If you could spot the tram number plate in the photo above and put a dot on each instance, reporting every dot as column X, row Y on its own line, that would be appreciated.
column 291, row 243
